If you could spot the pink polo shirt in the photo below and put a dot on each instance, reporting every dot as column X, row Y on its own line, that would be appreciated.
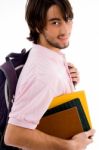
column 45, row 75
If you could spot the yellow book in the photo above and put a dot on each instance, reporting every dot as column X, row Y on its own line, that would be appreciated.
column 67, row 97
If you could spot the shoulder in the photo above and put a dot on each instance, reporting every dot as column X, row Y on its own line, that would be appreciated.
column 40, row 63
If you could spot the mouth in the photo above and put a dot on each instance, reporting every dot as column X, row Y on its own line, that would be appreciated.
column 63, row 39
column 64, row 36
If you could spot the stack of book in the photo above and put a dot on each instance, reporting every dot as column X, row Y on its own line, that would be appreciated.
column 66, row 116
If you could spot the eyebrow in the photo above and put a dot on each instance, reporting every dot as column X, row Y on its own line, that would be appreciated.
column 53, row 19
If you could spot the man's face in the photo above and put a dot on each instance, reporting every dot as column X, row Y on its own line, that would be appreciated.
column 57, row 31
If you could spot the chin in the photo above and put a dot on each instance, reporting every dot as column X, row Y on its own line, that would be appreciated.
column 65, row 46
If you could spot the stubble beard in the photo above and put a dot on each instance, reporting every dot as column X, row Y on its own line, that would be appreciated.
column 56, row 44
column 52, row 42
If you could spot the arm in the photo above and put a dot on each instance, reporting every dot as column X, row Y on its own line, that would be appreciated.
column 31, row 139
column 34, row 139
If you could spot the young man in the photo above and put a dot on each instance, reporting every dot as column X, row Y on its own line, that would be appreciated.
column 45, row 75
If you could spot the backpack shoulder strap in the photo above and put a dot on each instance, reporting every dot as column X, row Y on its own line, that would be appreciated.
column 16, row 55
column 10, row 74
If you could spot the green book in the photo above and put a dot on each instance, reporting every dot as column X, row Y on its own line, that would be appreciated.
column 73, row 103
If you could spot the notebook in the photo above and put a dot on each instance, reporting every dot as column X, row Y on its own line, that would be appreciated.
column 64, row 120
column 68, row 97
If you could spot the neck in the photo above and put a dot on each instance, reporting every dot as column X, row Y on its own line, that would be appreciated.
column 47, row 45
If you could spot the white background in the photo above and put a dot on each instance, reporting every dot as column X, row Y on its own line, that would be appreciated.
column 83, row 49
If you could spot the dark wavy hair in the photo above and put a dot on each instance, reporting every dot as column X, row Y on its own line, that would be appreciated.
column 36, row 12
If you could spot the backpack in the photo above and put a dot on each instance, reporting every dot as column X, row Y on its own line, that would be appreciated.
column 9, row 74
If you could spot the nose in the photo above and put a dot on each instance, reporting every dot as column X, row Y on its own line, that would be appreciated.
column 66, row 27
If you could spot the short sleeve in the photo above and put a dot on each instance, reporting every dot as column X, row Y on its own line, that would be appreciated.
column 31, row 101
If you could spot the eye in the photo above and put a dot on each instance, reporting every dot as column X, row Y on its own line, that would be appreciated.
column 56, row 23
column 69, row 20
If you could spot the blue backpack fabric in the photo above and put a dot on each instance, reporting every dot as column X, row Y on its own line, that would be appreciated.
column 9, row 74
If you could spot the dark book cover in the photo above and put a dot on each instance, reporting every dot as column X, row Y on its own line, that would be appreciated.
column 64, row 120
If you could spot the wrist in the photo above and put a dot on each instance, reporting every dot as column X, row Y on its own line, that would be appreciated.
column 65, row 144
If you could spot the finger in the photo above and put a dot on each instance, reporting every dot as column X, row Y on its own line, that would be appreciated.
column 90, row 133
column 73, row 70
column 70, row 64
column 74, row 74
column 89, row 141
column 75, row 79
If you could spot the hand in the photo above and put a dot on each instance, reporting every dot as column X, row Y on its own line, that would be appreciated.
column 73, row 73
column 82, row 140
